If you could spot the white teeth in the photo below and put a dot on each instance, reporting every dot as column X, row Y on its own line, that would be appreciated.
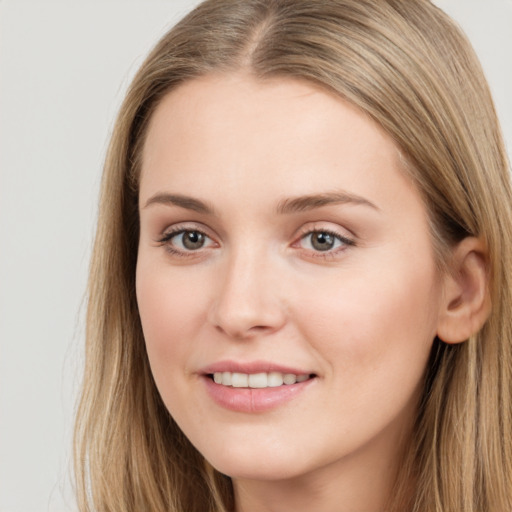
column 239, row 380
column 257, row 380
column 275, row 379
column 289, row 378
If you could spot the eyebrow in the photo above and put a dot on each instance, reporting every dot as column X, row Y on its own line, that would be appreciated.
column 310, row 202
column 285, row 206
column 189, row 203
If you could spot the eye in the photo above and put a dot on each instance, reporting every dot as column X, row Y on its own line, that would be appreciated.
column 186, row 240
column 323, row 241
column 190, row 240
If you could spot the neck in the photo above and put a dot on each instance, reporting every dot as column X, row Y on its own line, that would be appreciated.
column 288, row 496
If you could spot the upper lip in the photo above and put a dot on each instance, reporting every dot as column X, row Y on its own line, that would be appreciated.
column 251, row 368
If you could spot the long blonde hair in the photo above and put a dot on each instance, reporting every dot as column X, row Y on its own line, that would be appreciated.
column 406, row 65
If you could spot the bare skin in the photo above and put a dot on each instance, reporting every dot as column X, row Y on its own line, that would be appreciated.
column 278, row 229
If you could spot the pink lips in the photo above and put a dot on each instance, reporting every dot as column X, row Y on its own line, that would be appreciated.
column 250, row 367
column 252, row 400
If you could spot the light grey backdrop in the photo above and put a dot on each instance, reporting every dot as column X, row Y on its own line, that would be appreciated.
column 63, row 69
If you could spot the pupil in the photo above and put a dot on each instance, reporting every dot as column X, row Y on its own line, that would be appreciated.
column 322, row 241
column 193, row 240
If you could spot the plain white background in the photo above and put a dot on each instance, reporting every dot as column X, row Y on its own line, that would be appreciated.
column 64, row 67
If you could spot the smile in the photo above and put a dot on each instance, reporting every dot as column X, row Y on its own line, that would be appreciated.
column 255, row 387
column 258, row 380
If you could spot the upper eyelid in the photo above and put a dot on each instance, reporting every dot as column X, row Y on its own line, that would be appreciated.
column 165, row 241
column 326, row 227
column 345, row 241
column 324, row 230
column 166, row 237
column 342, row 233
column 180, row 227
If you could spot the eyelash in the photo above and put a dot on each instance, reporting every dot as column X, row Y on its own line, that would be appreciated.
column 179, row 230
column 330, row 253
column 327, row 254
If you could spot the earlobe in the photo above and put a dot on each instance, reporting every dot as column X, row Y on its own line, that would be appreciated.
column 466, row 301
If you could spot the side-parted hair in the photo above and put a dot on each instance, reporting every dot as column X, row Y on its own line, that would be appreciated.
column 406, row 65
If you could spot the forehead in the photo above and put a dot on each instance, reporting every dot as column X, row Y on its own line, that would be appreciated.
column 234, row 101
column 270, row 137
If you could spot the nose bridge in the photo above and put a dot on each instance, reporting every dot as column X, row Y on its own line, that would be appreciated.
column 247, row 299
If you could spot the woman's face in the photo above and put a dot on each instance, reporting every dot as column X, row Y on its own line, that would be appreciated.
column 280, row 240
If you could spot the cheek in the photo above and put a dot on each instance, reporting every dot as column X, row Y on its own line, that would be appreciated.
column 170, row 311
column 386, row 320
column 375, row 337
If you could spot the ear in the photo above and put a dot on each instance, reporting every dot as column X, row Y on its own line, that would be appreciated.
column 466, row 301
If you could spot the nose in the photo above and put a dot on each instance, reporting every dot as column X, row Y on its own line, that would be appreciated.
column 249, row 298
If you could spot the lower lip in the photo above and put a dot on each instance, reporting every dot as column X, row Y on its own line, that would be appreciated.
column 252, row 400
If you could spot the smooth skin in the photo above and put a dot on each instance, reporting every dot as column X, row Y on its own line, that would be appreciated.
column 237, row 261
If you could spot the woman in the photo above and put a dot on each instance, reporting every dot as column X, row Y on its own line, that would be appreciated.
column 300, row 287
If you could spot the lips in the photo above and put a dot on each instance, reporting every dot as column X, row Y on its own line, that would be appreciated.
column 252, row 367
column 254, row 387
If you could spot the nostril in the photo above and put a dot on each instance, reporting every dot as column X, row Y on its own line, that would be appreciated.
column 241, row 310
column 240, row 332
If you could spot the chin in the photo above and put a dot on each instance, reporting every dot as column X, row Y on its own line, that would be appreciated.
column 261, row 470
column 258, row 464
